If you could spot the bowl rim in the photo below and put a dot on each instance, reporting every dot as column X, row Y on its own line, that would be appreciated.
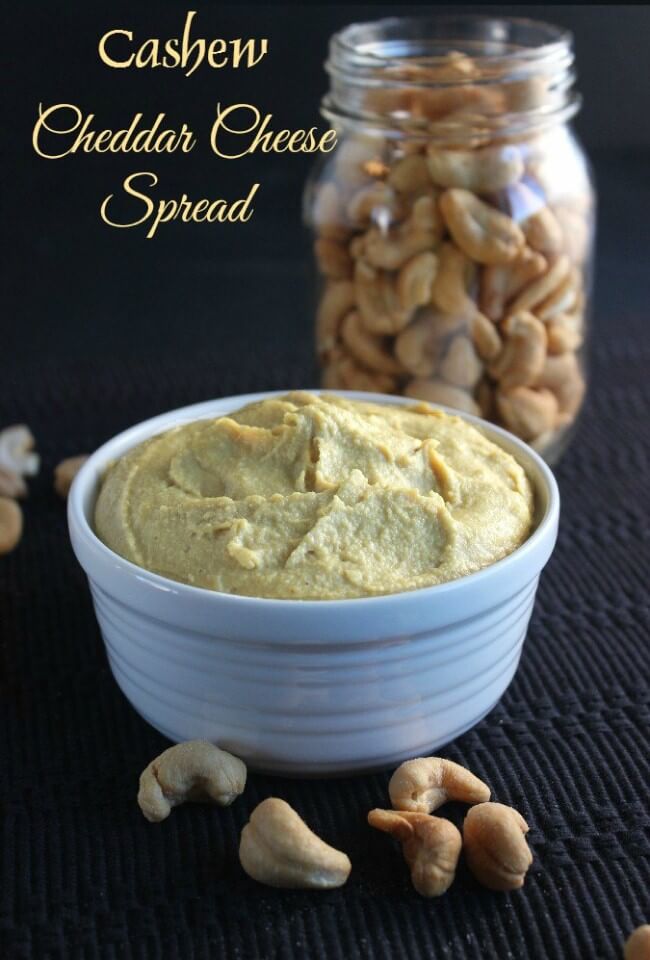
column 160, row 423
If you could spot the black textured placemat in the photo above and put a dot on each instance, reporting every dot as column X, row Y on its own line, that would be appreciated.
column 85, row 876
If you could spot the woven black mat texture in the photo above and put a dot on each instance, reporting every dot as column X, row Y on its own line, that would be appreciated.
column 85, row 877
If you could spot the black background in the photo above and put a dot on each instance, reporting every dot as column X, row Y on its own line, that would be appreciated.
column 102, row 328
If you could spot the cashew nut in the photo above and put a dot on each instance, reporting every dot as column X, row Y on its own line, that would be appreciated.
column 415, row 281
column 278, row 848
column 327, row 212
column 544, row 441
column 353, row 155
column 374, row 203
column 378, row 301
column 465, row 129
column 65, row 473
column 11, row 524
column 529, row 413
column 410, row 174
column 413, row 146
column 330, row 376
column 578, row 312
column 543, row 232
column 576, row 230
column 485, row 398
column 520, row 201
column 437, row 391
column 376, row 168
column 193, row 771
column 637, row 945
column 16, row 451
column 524, row 95
column 485, row 337
column 501, row 282
column 431, row 847
column 354, row 377
column 333, row 258
column 460, row 365
column 337, row 299
column 385, row 100
column 368, row 349
column 424, row 784
column 494, row 290
column 12, row 484
column 561, row 375
column 345, row 373
column 563, row 298
column 482, row 232
column 424, row 214
column 453, row 67
column 542, row 287
column 390, row 247
column 483, row 170
column 388, row 250
column 445, row 323
column 454, row 279
column 494, row 838
column 430, row 104
column 419, row 346
column 564, row 333
column 522, row 358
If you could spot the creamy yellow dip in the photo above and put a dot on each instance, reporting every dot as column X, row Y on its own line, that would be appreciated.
column 309, row 497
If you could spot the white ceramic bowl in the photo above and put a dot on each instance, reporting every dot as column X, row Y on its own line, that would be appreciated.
column 311, row 687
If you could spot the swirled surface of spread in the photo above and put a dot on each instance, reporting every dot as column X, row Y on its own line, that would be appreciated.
column 316, row 497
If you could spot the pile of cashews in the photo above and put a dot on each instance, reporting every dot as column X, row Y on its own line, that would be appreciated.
column 277, row 847
column 19, row 460
column 453, row 273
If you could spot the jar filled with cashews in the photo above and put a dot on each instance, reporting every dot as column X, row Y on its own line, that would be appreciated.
column 453, row 223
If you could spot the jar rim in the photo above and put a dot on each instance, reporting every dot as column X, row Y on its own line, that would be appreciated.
column 449, row 52
column 353, row 42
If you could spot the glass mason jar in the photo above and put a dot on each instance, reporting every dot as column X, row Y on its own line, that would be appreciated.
column 454, row 221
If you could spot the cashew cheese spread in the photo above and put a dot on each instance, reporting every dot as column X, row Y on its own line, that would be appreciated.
column 316, row 497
